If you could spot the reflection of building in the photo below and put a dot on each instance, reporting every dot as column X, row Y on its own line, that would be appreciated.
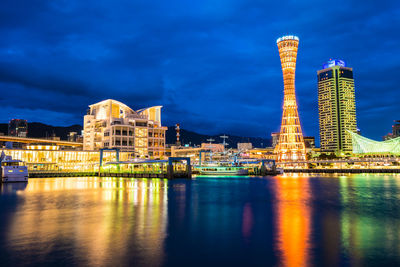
column 275, row 139
column 244, row 146
column 17, row 127
column 363, row 145
column 395, row 131
column 291, row 144
column 97, row 234
column 336, row 103
column 112, row 124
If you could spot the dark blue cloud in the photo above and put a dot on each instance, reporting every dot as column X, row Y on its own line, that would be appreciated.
column 213, row 65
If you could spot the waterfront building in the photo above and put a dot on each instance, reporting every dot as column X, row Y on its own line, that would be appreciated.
column 213, row 147
column 261, row 153
column 290, row 146
column 275, row 139
column 18, row 127
column 244, row 146
column 309, row 141
column 336, row 106
column 51, row 158
column 363, row 145
column 395, row 131
column 112, row 124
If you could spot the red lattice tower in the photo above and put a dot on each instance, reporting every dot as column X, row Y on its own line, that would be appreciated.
column 290, row 146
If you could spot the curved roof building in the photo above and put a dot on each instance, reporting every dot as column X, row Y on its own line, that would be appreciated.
column 112, row 124
column 363, row 145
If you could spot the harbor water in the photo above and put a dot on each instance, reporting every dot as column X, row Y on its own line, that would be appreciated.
column 289, row 220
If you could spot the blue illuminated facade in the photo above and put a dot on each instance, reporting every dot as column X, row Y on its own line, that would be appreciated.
column 334, row 62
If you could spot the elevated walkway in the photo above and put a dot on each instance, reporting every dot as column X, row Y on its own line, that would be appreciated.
column 30, row 140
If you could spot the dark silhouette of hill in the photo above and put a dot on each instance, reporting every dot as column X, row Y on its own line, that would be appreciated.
column 196, row 138
column 38, row 130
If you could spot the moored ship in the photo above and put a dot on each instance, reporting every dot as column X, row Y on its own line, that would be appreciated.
column 13, row 170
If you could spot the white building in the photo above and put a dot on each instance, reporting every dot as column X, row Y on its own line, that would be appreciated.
column 112, row 124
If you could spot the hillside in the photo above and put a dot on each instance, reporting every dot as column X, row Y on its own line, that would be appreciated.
column 197, row 139
column 37, row 129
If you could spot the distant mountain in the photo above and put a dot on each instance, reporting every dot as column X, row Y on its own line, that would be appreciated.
column 38, row 130
column 196, row 138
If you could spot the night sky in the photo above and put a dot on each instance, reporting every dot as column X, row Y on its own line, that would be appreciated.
column 213, row 65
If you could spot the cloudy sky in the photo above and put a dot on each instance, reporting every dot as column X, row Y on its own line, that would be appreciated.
column 212, row 64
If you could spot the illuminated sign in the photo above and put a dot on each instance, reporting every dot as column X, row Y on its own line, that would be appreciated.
column 334, row 62
column 287, row 37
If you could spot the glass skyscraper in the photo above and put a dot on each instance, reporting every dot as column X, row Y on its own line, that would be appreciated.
column 336, row 106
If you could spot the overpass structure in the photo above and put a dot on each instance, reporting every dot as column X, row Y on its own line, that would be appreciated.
column 30, row 140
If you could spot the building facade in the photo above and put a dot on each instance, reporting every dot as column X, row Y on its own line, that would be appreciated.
column 290, row 146
column 336, row 106
column 395, row 131
column 309, row 141
column 244, row 146
column 274, row 139
column 18, row 127
column 112, row 124
column 363, row 145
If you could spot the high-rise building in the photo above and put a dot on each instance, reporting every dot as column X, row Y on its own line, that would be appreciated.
column 290, row 146
column 395, row 131
column 336, row 105
column 18, row 127
column 112, row 124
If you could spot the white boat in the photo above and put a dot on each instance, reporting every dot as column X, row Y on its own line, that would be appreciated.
column 13, row 170
column 222, row 170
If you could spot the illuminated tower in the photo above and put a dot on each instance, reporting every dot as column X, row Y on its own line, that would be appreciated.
column 336, row 106
column 291, row 144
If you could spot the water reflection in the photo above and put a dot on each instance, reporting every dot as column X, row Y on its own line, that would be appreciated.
column 370, row 221
column 293, row 220
column 280, row 221
column 95, row 220
column 11, row 188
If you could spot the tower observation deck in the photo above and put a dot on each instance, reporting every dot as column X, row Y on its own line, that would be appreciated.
column 291, row 145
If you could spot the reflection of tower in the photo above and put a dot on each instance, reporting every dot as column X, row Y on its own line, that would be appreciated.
column 291, row 144
column 293, row 220
column 178, row 134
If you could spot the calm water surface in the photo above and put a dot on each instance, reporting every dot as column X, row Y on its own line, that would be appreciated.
column 286, row 221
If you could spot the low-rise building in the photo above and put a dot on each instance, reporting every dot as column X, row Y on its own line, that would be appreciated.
column 213, row 147
column 112, row 124
column 244, row 146
column 275, row 139
column 395, row 131
column 309, row 141
column 18, row 127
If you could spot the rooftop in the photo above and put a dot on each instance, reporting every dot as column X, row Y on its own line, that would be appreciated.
column 287, row 37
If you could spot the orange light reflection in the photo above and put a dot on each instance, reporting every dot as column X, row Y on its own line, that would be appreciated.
column 293, row 220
